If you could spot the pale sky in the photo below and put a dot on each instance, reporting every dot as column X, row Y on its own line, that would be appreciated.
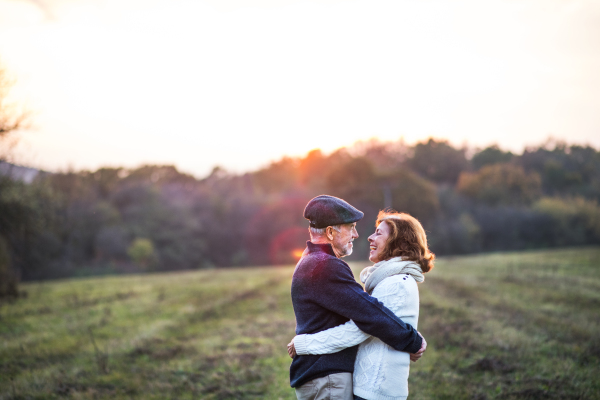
column 240, row 83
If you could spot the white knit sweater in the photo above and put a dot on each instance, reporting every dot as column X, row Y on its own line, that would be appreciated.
column 380, row 372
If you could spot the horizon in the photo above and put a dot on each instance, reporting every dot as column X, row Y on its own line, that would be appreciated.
column 243, row 84
column 550, row 142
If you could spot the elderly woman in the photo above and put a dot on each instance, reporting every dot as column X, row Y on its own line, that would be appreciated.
column 401, row 256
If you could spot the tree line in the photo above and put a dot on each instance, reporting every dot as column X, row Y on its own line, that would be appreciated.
column 156, row 218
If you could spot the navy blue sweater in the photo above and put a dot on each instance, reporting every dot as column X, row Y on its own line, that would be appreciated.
column 324, row 295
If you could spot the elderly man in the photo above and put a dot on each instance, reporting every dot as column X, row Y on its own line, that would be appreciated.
column 325, row 294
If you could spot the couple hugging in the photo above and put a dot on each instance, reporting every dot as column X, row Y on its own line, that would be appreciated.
column 352, row 343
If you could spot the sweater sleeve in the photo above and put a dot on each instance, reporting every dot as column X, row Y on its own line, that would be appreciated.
column 330, row 340
column 339, row 292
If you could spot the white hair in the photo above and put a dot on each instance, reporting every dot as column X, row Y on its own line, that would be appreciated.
column 321, row 231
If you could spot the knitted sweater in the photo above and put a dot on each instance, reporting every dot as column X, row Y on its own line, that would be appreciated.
column 325, row 295
column 380, row 373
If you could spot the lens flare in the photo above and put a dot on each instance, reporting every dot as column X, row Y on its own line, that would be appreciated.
column 297, row 253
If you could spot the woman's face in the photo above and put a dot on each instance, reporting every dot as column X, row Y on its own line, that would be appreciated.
column 378, row 240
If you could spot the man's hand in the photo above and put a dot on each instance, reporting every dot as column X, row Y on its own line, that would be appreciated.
column 292, row 349
column 414, row 357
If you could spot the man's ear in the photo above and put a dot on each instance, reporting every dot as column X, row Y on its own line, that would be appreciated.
column 329, row 232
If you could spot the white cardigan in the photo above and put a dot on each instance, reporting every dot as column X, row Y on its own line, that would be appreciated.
column 380, row 372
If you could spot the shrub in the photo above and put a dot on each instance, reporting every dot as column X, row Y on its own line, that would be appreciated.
column 577, row 219
column 8, row 280
column 141, row 251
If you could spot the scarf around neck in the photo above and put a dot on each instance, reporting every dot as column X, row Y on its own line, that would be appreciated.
column 371, row 276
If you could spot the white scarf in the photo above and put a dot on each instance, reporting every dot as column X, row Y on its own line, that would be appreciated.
column 371, row 276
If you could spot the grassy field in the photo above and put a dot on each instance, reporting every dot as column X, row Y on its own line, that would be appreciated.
column 499, row 326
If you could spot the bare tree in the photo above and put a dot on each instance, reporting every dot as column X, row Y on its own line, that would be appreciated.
column 11, row 117
column 11, row 120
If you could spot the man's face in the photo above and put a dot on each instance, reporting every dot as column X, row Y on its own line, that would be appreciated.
column 342, row 240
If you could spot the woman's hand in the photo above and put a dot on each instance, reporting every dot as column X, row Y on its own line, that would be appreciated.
column 414, row 357
column 291, row 349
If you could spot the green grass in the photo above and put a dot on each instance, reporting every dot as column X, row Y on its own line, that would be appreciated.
column 499, row 326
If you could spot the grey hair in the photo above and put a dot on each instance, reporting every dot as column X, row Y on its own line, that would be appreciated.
column 321, row 231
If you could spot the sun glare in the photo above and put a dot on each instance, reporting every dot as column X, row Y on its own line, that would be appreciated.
column 297, row 253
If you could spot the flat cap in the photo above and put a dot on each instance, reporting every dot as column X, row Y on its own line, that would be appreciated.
column 324, row 211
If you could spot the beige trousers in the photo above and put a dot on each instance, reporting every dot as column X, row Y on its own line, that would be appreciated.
column 330, row 387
